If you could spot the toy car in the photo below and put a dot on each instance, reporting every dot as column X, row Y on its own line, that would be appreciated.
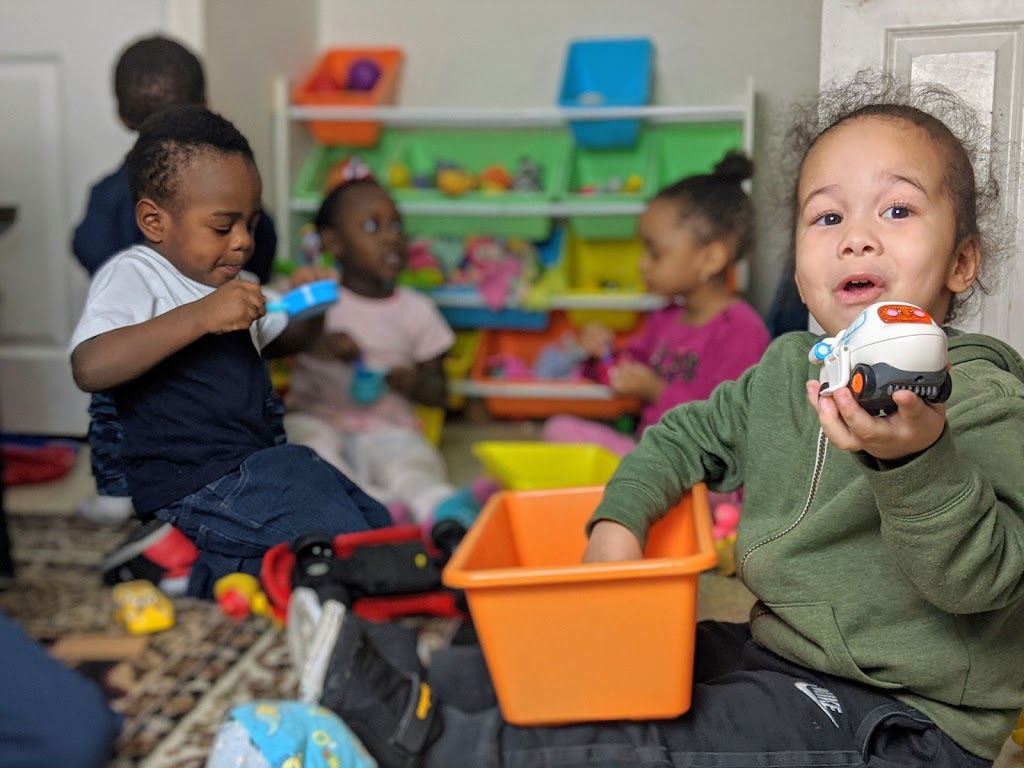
column 889, row 346
column 142, row 608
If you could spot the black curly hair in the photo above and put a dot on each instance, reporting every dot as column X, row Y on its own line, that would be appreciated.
column 948, row 120
column 716, row 203
column 171, row 138
column 329, row 213
column 154, row 73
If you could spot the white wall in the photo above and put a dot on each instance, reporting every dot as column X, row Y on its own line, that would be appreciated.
column 510, row 53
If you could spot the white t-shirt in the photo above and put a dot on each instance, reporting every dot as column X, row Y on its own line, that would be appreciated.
column 139, row 284
column 397, row 332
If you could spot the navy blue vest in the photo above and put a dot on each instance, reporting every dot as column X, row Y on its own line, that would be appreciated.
column 193, row 418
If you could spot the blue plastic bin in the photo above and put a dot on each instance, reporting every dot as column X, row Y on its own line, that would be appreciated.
column 607, row 72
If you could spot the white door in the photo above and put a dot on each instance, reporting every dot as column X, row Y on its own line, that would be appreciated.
column 58, row 134
column 975, row 48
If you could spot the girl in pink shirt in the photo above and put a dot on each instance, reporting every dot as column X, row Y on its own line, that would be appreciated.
column 693, row 231
column 352, row 395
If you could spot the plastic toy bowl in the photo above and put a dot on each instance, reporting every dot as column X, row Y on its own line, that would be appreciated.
column 527, row 466
column 567, row 642
column 307, row 300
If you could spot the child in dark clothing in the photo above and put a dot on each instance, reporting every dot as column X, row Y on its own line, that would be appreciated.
column 151, row 74
column 177, row 337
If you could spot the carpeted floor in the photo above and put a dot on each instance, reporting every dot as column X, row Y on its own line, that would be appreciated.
column 173, row 687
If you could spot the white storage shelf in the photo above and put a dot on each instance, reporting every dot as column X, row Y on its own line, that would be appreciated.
column 284, row 113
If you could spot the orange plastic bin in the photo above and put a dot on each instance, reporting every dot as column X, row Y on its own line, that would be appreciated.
column 566, row 642
column 336, row 62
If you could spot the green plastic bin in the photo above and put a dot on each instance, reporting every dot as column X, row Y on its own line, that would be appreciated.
column 686, row 149
column 474, row 150
column 595, row 167
column 308, row 185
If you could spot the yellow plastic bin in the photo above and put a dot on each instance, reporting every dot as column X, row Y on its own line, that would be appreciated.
column 526, row 465
column 566, row 642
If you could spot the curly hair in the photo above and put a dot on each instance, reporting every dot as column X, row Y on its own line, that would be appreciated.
column 950, row 122
column 169, row 140
column 154, row 73
column 716, row 204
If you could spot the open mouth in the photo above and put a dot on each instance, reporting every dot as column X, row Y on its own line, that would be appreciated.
column 857, row 289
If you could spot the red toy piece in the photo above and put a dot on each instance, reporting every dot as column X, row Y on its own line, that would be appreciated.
column 279, row 564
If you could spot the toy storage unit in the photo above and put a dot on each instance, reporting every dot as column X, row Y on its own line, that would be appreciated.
column 584, row 194
column 567, row 642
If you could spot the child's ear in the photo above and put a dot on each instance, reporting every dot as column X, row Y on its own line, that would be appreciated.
column 330, row 242
column 718, row 254
column 152, row 219
column 963, row 269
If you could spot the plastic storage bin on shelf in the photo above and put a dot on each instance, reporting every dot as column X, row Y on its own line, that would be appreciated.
column 474, row 150
column 596, row 267
column 334, row 67
column 540, row 398
column 567, row 642
column 309, row 187
column 459, row 361
column 524, row 465
column 609, row 72
column 687, row 148
column 617, row 175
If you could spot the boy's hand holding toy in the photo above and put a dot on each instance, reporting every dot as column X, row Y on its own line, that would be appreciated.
column 234, row 306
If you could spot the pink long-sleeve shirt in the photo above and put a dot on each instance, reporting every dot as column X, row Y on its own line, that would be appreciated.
column 692, row 360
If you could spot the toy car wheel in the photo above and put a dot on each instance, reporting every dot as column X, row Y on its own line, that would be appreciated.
column 945, row 390
column 862, row 381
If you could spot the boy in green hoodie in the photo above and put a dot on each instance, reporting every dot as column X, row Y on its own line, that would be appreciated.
column 886, row 553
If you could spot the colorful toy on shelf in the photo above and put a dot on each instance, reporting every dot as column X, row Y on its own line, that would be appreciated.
column 363, row 74
column 726, row 519
column 239, row 595
column 527, row 177
column 888, row 347
column 307, row 300
column 323, row 82
column 495, row 178
column 142, row 608
column 455, row 181
column 399, row 176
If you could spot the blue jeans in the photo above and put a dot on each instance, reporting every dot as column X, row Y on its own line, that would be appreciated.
column 106, row 440
column 273, row 497
column 106, row 446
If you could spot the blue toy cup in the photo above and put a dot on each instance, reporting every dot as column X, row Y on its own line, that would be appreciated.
column 368, row 384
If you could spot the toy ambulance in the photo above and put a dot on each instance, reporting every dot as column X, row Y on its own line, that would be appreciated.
column 888, row 347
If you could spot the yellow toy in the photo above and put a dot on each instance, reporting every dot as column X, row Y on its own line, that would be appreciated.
column 1018, row 733
column 455, row 181
column 634, row 183
column 399, row 176
column 239, row 594
column 142, row 608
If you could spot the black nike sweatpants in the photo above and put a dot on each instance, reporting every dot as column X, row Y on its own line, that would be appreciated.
column 750, row 709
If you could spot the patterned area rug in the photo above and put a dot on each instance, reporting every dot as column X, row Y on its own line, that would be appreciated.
column 175, row 693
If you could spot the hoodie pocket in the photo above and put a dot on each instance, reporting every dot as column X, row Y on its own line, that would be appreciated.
column 809, row 634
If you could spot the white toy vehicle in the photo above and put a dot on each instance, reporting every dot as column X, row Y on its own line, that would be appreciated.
column 888, row 347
